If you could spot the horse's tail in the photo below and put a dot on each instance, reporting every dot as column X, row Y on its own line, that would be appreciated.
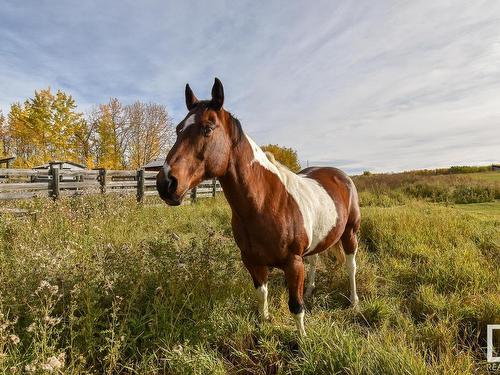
column 338, row 251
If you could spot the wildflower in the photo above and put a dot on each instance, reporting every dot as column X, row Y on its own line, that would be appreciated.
column 51, row 321
column 15, row 339
column 31, row 327
column 30, row 368
column 108, row 284
column 54, row 363
column 47, row 367
column 44, row 284
column 53, row 289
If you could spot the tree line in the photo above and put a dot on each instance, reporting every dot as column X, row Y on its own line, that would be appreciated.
column 49, row 127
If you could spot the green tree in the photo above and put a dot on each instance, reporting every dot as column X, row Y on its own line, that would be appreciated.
column 285, row 155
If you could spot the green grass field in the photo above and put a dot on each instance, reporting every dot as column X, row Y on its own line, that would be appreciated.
column 98, row 285
column 487, row 210
column 493, row 176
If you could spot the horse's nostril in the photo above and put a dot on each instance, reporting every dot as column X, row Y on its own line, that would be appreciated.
column 166, row 184
column 171, row 184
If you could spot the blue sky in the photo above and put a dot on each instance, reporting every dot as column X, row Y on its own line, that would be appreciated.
column 362, row 85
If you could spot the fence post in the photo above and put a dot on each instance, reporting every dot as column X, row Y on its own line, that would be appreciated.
column 102, row 180
column 193, row 194
column 54, row 172
column 214, row 187
column 140, row 185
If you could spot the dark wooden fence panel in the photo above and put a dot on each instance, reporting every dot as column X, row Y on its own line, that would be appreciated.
column 55, row 183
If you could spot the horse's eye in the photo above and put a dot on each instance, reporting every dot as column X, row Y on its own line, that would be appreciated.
column 207, row 129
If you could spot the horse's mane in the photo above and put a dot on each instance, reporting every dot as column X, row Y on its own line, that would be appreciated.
column 237, row 129
column 282, row 167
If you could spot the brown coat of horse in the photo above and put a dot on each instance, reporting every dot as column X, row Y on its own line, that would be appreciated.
column 278, row 217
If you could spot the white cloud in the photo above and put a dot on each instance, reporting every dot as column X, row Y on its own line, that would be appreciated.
column 361, row 85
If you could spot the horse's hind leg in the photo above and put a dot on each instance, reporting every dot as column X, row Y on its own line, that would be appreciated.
column 311, row 275
column 350, row 245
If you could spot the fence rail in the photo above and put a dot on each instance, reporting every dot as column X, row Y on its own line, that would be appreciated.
column 55, row 183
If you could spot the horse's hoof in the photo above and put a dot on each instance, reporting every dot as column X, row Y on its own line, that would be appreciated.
column 265, row 317
column 355, row 303
column 308, row 293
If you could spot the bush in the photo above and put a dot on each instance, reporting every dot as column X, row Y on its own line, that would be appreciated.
column 432, row 192
column 469, row 169
column 473, row 194
column 389, row 199
column 461, row 194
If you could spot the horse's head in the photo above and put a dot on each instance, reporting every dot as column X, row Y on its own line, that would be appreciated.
column 203, row 147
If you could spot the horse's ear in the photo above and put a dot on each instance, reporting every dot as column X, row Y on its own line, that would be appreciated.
column 217, row 95
column 191, row 100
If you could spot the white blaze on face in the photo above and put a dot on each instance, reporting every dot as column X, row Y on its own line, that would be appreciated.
column 318, row 210
column 188, row 122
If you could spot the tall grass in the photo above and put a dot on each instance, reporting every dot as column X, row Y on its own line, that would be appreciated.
column 397, row 188
column 101, row 285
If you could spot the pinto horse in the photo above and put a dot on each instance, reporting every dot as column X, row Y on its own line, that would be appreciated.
column 278, row 217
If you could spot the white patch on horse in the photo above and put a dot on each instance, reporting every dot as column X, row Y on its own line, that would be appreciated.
column 260, row 157
column 351, row 270
column 318, row 210
column 188, row 122
column 262, row 297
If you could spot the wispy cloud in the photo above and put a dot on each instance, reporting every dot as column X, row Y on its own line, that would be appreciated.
column 386, row 86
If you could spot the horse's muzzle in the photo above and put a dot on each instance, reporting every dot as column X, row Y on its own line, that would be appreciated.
column 167, row 186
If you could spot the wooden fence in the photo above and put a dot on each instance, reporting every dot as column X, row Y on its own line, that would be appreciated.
column 55, row 183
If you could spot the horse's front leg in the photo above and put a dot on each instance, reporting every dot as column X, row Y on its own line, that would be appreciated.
column 294, row 273
column 259, row 276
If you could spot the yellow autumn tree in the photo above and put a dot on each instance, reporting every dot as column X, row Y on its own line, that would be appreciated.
column 47, row 127
column 69, row 134
column 285, row 155
column 21, row 142
column 150, row 131
column 108, row 154
column 3, row 136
